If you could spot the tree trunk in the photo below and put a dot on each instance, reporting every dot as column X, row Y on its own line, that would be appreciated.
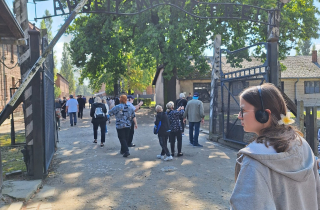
column 115, row 88
column 170, row 88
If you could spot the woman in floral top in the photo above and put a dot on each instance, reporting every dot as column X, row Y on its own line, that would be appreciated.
column 175, row 127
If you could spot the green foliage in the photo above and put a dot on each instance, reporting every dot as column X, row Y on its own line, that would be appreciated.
column 83, row 90
column 109, row 49
column 304, row 47
column 57, row 92
column 66, row 68
column 146, row 101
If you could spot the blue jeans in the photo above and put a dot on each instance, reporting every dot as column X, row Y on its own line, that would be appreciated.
column 194, row 138
column 73, row 117
column 106, row 128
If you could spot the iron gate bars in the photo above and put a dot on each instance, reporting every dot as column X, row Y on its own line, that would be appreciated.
column 234, row 133
column 192, row 8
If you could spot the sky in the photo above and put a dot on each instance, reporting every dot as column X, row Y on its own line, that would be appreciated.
column 58, row 21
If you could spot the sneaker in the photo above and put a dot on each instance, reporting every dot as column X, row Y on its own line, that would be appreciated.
column 190, row 144
column 131, row 145
column 71, row 124
column 197, row 145
column 121, row 153
column 172, row 154
column 160, row 157
column 75, row 123
column 168, row 158
column 183, row 134
column 180, row 154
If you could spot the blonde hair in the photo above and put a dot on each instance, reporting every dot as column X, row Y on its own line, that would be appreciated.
column 104, row 101
column 97, row 100
column 169, row 106
column 159, row 108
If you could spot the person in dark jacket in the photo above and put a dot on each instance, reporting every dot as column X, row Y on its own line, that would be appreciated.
column 81, row 103
column 63, row 108
column 58, row 112
column 175, row 127
column 98, row 121
column 163, row 133
column 181, row 102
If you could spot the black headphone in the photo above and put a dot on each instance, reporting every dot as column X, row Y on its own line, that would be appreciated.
column 261, row 115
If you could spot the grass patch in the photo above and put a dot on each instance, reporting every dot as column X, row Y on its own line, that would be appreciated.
column 5, row 139
column 12, row 159
column 207, row 117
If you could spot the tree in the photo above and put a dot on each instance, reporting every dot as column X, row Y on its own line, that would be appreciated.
column 304, row 47
column 66, row 68
column 47, row 24
column 83, row 90
column 170, row 37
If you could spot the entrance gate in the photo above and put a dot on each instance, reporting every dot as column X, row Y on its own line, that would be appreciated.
column 50, row 127
column 233, row 81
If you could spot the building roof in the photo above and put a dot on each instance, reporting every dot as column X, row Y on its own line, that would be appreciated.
column 63, row 77
column 297, row 67
column 32, row 26
column 9, row 27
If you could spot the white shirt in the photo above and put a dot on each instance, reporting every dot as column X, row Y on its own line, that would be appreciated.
column 72, row 105
column 107, row 107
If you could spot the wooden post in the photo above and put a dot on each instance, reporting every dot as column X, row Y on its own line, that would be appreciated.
column 300, row 116
column 311, row 128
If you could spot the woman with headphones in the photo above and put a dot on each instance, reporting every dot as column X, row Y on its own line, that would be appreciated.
column 278, row 169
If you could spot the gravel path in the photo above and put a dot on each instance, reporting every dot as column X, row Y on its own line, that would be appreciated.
column 86, row 176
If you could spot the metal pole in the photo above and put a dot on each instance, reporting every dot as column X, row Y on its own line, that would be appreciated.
column 13, row 135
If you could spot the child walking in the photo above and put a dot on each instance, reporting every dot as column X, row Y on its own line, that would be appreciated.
column 163, row 133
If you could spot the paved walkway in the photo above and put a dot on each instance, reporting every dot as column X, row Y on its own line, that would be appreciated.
column 85, row 176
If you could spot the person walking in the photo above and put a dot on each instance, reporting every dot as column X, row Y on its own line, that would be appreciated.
column 179, row 103
column 98, row 113
column 124, row 116
column 194, row 112
column 104, row 101
column 72, row 107
column 57, row 112
column 163, row 133
column 81, row 103
column 278, row 169
column 91, row 101
column 63, row 108
column 175, row 127
column 135, row 108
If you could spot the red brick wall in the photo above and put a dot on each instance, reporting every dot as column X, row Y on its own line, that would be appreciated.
column 63, row 84
column 8, row 77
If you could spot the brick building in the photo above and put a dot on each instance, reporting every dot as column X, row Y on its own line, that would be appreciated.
column 63, row 84
column 10, row 33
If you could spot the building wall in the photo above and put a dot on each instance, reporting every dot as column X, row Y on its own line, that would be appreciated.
column 9, row 78
column 308, row 99
column 63, row 84
column 159, row 89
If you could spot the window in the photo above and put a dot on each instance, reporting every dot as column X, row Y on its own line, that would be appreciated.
column 237, row 87
column 311, row 87
column 204, row 90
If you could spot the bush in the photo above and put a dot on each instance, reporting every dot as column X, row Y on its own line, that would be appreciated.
column 146, row 101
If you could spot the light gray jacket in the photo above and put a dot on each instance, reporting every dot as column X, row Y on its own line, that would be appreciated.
column 194, row 111
column 277, row 181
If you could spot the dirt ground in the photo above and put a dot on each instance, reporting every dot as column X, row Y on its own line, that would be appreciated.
column 86, row 176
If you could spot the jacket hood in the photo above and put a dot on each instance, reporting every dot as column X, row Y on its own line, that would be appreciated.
column 297, row 163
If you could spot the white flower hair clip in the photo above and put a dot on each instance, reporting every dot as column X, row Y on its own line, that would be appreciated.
column 285, row 120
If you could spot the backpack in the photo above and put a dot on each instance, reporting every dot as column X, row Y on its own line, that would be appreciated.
column 98, row 113
column 58, row 113
column 156, row 128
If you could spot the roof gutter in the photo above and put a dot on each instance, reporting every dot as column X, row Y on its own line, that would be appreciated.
column 295, row 90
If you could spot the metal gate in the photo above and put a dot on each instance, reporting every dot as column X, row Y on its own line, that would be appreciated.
column 236, row 74
column 50, row 130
